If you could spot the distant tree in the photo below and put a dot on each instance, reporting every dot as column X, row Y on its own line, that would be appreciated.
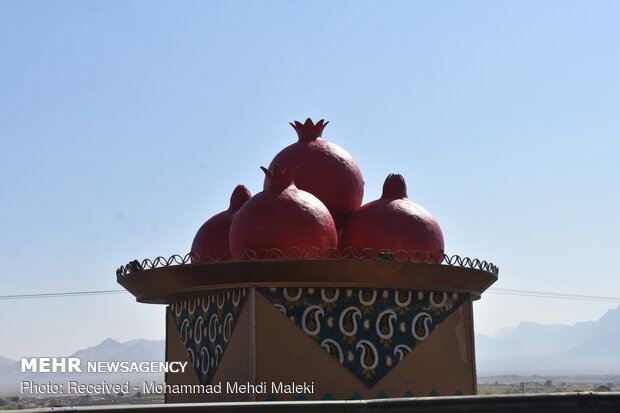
column 3, row 402
column 14, row 399
column 548, row 383
column 139, row 394
column 120, row 394
column 601, row 388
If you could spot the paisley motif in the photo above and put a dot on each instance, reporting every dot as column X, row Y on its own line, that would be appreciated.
column 402, row 298
column 216, row 357
column 198, row 330
column 310, row 320
column 401, row 350
column 192, row 359
column 367, row 299
column 385, row 326
column 369, row 357
column 185, row 331
column 292, row 294
column 333, row 348
column 191, row 307
column 420, row 326
column 330, row 295
column 221, row 300
column 205, row 361
column 348, row 322
column 177, row 309
column 228, row 325
column 213, row 322
column 438, row 299
column 204, row 303
column 236, row 297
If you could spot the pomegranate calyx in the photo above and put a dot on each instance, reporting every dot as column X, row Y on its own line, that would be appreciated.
column 239, row 197
column 394, row 187
column 280, row 179
column 309, row 131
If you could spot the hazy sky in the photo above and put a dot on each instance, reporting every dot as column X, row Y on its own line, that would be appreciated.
column 126, row 124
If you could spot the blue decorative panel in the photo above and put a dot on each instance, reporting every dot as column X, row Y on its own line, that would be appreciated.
column 368, row 331
column 205, row 325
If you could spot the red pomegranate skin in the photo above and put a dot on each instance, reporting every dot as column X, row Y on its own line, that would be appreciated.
column 211, row 240
column 394, row 223
column 325, row 170
column 282, row 216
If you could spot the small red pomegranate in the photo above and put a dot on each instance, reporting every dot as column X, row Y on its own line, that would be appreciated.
column 325, row 170
column 394, row 223
column 211, row 240
column 282, row 216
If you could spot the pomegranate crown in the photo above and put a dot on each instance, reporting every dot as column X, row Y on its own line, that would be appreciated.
column 394, row 187
column 309, row 131
column 240, row 196
column 280, row 178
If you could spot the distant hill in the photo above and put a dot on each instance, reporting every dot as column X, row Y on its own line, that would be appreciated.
column 108, row 350
column 585, row 348
column 5, row 361
column 112, row 350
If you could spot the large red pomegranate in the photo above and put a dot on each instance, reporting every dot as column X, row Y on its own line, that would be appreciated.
column 211, row 240
column 282, row 216
column 325, row 170
column 394, row 223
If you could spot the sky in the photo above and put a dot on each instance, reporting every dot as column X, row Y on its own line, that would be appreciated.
column 124, row 125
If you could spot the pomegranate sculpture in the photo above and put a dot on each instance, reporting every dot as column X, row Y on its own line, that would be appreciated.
column 211, row 240
column 325, row 170
column 394, row 223
column 282, row 216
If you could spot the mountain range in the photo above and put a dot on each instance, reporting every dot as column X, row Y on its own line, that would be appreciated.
column 589, row 347
column 5, row 361
column 135, row 350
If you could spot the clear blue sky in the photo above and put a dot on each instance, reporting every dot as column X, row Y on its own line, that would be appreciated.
column 126, row 124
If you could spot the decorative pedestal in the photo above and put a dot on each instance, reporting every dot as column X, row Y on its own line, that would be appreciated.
column 316, row 329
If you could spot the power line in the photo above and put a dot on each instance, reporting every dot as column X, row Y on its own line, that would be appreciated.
column 62, row 294
column 543, row 294
column 504, row 291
